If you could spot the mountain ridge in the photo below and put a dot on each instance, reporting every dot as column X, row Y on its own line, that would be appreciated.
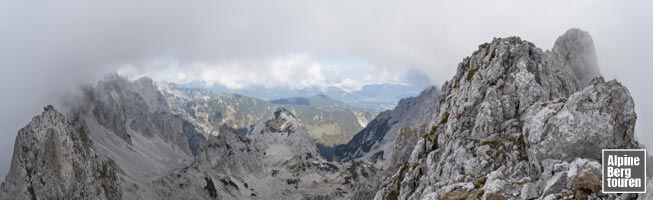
column 330, row 121
column 374, row 97
column 148, row 154
column 517, row 122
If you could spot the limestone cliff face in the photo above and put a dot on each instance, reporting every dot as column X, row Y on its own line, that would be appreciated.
column 388, row 139
column 137, row 107
column 518, row 123
column 54, row 160
column 130, row 123
column 120, row 135
column 598, row 117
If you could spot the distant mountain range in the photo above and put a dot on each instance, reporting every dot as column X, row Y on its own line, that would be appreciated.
column 329, row 121
column 373, row 97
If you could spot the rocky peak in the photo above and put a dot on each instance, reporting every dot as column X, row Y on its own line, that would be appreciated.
column 575, row 50
column 278, row 120
column 137, row 107
column 53, row 160
column 282, row 137
column 282, row 122
column 150, row 93
column 508, row 116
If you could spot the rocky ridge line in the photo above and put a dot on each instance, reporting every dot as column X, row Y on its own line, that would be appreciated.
column 519, row 123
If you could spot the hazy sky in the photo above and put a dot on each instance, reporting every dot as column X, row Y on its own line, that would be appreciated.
column 48, row 48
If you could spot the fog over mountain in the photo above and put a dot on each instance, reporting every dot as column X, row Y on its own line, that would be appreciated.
column 48, row 49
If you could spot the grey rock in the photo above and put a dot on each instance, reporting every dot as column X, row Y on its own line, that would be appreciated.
column 561, row 167
column 495, row 186
column 125, row 107
column 580, row 165
column 232, row 154
column 575, row 50
column 529, row 191
column 134, row 138
column 548, row 168
column 282, row 138
column 147, row 89
column 556, row 184
column 518, row 112
column 601, row 116
column 625, row 196
column 53, row 160
column 124, row 143
column 388, row 140
column 551, row 197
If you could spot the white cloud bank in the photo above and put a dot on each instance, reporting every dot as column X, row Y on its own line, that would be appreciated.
column 296, row 71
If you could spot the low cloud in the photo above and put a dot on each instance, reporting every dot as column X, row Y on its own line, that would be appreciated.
column 296, row 71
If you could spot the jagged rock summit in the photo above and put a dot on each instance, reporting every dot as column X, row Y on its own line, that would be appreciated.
column 53, row 160
column 282, row 138
column 518, row 123
column 575, row 50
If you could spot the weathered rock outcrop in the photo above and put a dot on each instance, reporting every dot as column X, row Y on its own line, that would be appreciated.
column 388, row 139
column 54, row 160
column 601, row 116
column 516, row 122
column 282, row 138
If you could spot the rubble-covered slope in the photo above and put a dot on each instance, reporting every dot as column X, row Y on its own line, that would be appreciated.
column 276, row 162
column 519, row 123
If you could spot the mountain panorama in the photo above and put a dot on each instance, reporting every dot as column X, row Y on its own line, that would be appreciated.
column 513, row 122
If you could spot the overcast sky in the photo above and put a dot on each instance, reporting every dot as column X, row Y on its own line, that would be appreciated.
column 49, row 48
